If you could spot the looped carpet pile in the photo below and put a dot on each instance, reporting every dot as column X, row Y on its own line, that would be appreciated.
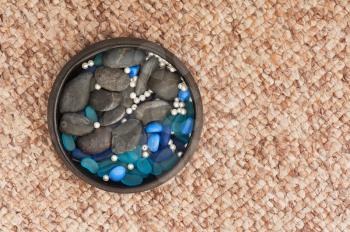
column 275, row 83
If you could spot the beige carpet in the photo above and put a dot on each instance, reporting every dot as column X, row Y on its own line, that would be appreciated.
column 275, row 82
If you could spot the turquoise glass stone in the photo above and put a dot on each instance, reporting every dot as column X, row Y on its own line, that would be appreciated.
column 183, row 138
column 187, row 126
column 190, row 109
column 177, row 124
column 168, row 120
column 132, row 180
column 153, row 142
column 137, row 172
column 156, row 168
column 130, row 156
column 106, row 162
column 90, row 113
column 68, row 142
column 89, row 164
column 134, row 70
column 170, row 163
column 106, row 169
column 98, row 59
column 78, row 154
column 154, row 127
column 117, row 173
column 183, row 95
column 144, row 166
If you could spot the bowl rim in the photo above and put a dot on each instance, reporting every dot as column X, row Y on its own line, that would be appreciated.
column 91, row 51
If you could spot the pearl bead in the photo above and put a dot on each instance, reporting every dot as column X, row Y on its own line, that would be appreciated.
column 172, row 132
column 170, row 142
column 161, row 64
column 183, row 111
column 144, row 147
column 179, row 86
column 179, row 154
column 132, row 95
column 97, row 86
column 129, row 111
column 147, row 93
column 176, row 99
column 145, row 154
column 85, row 65
column 172, row 69
column 105, row 178
column 133, row 107
column 178, row 110
column 182, row 104
column 142, row 97
column 127, row 70
column 150, row 54
column 136, row 100
column 150, row 91
column 132, row 84
column 124, row 120
column 174, row 112
column 172, row 147
column 91, row 63
column 114, row 158
column 184, row 88
column 176, row 104
column 134, row 78
column 190, row 99
column 97, row 125
column 130, row 166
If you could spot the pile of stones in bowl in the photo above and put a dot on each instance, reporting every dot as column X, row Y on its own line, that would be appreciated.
column 127, row 116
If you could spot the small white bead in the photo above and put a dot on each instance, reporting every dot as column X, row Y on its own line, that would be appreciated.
column 190, row 99
column 144, row 147
column 176, row 99
column 136, row 100
column 124, row 120
column 179, row 154
column 133, row 107
column 186, row 143
column 145, row 154
column 161, row 63
column 97, row 125
column 91, row 63
column 132, row 84
column 147, row 93
column 182, row 104
column 134, row 79
column 127, row 70
column 132, row 95
column 172, row 69
column 114, row 158
column 172, row 132
column 179, row 85
column 184, row 88
column 85, row 65
column 97, row 86
column 150, row 91
column 150, row 54
column 178, row 110
column 183, row 111
column 142, row 97
column 105, row 178
column 176, row 104
column 128, row 111
column 172, row 147
column 174, row 112
column 170, row 142
column 130, row 166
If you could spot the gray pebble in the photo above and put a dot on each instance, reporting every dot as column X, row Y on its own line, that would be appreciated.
column 75, row 124
column 126, row 136
column 103, row 100
column 123, row 57
column 112, row 116
column 146, row 71
column 164, row 83
column 95, row 142
column 112, row 79
column 152, row 111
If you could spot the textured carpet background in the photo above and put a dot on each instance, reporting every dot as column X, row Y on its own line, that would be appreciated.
column 275, row 82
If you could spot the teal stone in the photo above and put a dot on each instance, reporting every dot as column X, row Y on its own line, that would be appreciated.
column 90, row 113
column 144, row 166
column 89, row 164
column 170, row 163
column 177, row 124
column 106, row 162
column 168, row 120
column 190, row 109
column 137, row 172
column 106, row 169
column 132, row 180
column 68, row 142
column 156, row 168
column 98, row 59
column 187, row 126
column 183, row 138
column 130, row 156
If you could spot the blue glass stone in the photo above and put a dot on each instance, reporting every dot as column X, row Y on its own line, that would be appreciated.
column 68, row 142
column 106, row 169
column 78, row 154
column 190, row 109
column 106, row 154
column 165, row 137
column 180, row 146
column 183, row 138
column 91, row 69
column 187, row 126
column 161, row 155
column 153, row 142
column 90, row 113
column 130, row 156
column 154, row 127
column 144, row 166
column 134, row 70
column 98, row 59
column 170, row 163
column 89, row 164
column 156, row 168
column 132, row 180
column 183, row 95
column 117, row 173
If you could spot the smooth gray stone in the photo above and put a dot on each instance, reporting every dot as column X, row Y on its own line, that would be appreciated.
column 146, row 71
column 152, row 111
column 112, row 79
column 103, row 100
column 164, row 83
column 127, row 101
column 75, row 94
column 75, row 124
column 95, row 142
column 123, row 57
column 126, row 136
column 112, row 116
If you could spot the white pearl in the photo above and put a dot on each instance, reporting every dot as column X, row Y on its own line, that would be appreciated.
column 179, row 154
column 172, row 147
column 133, row 107
column 85, row 65
column 182, row 104
column 105, row 178
column 145, row 154
column 128, row 111
column 184, row 88
column 179, row 85
column 176, row 99
column 134, row 78
column 170, row 142
column 142, row 97
column 127, row 70
column 172, row 132
column 97, row 86
column 91, row 63
column 136, row 100
column 183, row 111
column 150, row 54
column 130, row 166
column 147, row 93
column 190, row 99
column 114, row 158
column 161, row 63
column 132, row 84
column 132, row 95
column 174, row 112
column 97, row 125
column 144, row 147
column 186, row 143
column 150, row 91
column 176, row 104
column 172, row 69
column 124, row 120
column 178, row 110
